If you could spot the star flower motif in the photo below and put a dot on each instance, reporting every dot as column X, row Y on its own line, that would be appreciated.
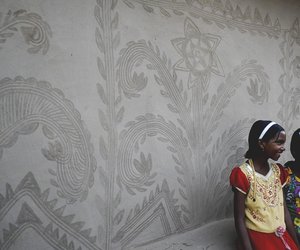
column 198, row 54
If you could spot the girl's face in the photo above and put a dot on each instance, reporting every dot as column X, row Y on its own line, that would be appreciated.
column 274, row 147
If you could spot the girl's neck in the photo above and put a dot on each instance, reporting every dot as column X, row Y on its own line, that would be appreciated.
column 261, row 165
column 296, row 167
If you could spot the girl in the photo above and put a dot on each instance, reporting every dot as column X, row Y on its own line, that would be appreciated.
column 261, row 218
column 292, row 190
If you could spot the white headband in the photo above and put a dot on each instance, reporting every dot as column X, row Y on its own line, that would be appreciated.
column 266, row 129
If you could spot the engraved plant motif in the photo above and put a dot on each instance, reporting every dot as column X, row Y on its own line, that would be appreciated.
column 296, row 66
column 289, row 97
column 34, row 30
column 36, row 103
column 195, row 109
column 295, row 32
column 224, row 15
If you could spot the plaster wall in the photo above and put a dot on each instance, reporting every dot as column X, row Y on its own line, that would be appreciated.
column 120, row 120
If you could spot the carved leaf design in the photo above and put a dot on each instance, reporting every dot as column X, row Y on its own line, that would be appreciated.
column 35, row 31
column 69, row 142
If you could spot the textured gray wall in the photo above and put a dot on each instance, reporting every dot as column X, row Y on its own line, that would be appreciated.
column 120, row 120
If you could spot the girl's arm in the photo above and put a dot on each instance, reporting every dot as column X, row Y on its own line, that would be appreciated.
column 289, row 225
column 239, row 219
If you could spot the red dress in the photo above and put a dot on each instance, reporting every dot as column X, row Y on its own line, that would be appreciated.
column 264, row 206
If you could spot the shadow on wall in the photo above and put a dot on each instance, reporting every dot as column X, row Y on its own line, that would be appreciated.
column 214, row 236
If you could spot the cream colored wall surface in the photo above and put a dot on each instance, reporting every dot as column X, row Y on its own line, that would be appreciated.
column 120, row 120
